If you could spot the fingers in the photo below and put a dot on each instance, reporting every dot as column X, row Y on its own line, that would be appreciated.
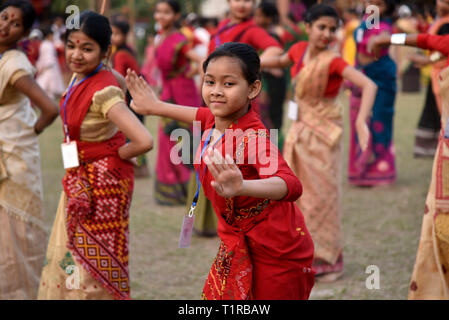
column 218, row 188
column 211, row 166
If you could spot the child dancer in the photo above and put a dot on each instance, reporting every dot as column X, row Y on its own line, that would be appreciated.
column 266, row 251
column 313, row 144
column 173, row 55
column 430, row 278
column 49, row 75
column 376, row 165
column 239, row 27
column 87, row 255
column 22, row 231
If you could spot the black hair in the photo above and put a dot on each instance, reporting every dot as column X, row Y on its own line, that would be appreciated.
column 391, row 8
column 28, row 12
column 46, row 30
column 245, row 54
column 269, row 10
column 95, row 26
column 176, row 7
column 123, row 26
column 320, row 10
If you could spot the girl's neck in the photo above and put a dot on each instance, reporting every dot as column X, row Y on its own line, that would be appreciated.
column 313, row 51
column 167, row 31
column 223, row 123
column 234, row 20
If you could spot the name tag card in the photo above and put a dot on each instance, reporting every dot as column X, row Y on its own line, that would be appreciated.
column 186, row 231
column 292, row 110
column 70, row 155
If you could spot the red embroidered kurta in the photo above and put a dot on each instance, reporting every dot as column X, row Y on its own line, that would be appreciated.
column 266, row 251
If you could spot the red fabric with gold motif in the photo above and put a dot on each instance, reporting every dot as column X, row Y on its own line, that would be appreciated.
column 266, row 251
column 99, row 195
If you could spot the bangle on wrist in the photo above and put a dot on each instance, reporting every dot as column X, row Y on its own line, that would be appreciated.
column 398, row 38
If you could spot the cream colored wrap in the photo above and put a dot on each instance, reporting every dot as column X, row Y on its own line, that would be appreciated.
column 22, row 232
column 430, row 278
column 313, row 151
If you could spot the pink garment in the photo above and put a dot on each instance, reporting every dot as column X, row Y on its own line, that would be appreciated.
column 149, row 69
column 362, row 36
column 49, row 76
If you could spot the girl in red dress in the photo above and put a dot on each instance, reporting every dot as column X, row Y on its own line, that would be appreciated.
column 266, row 251
column 239, row 27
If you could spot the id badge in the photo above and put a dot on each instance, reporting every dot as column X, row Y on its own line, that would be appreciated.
column 292, row 110
column 186, row 231
column 70, row 155
column 446, row 130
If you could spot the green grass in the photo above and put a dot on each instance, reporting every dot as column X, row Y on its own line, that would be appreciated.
column 381, row 225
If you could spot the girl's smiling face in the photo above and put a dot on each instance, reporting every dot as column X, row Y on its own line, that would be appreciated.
column 11, row 26
column 241, row 9
column 225, row 90
column 165, row 16
column 82, row 53
column 322, row 31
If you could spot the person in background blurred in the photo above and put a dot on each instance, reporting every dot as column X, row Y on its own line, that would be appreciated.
column 49, row 75
column 174, row 55
column 348, row 48
column 409, row 74
column 429, row 125
column 377, row 164
column 149, row 67
column 123, row 59
column 59, row 29
column 34, row 42
column 274, row 84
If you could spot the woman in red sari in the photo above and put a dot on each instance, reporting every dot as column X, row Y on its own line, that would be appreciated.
column 173, row 57
column 266, row 251
column 87, row 255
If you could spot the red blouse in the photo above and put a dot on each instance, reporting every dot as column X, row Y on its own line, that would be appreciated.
column 123, row 60
column 296, row 53
column 435, row 42
column 245, row 32
column 255, row 162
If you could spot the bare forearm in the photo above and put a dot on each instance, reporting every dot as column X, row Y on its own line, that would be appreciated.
column 44, row 121
column 369, row 92
column 133, row 149
column 273, row 188
column 176, row 112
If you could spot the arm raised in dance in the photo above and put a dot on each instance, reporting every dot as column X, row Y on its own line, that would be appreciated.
column 145, row 101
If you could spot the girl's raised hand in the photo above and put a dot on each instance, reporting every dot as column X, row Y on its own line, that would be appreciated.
column 228, row 177
column 144, row 99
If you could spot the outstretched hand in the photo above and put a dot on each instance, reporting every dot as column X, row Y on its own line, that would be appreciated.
column 376, row 43
column 144, row 99
column 228, row 177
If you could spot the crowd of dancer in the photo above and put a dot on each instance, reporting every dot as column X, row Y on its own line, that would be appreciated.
column 280, row 229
